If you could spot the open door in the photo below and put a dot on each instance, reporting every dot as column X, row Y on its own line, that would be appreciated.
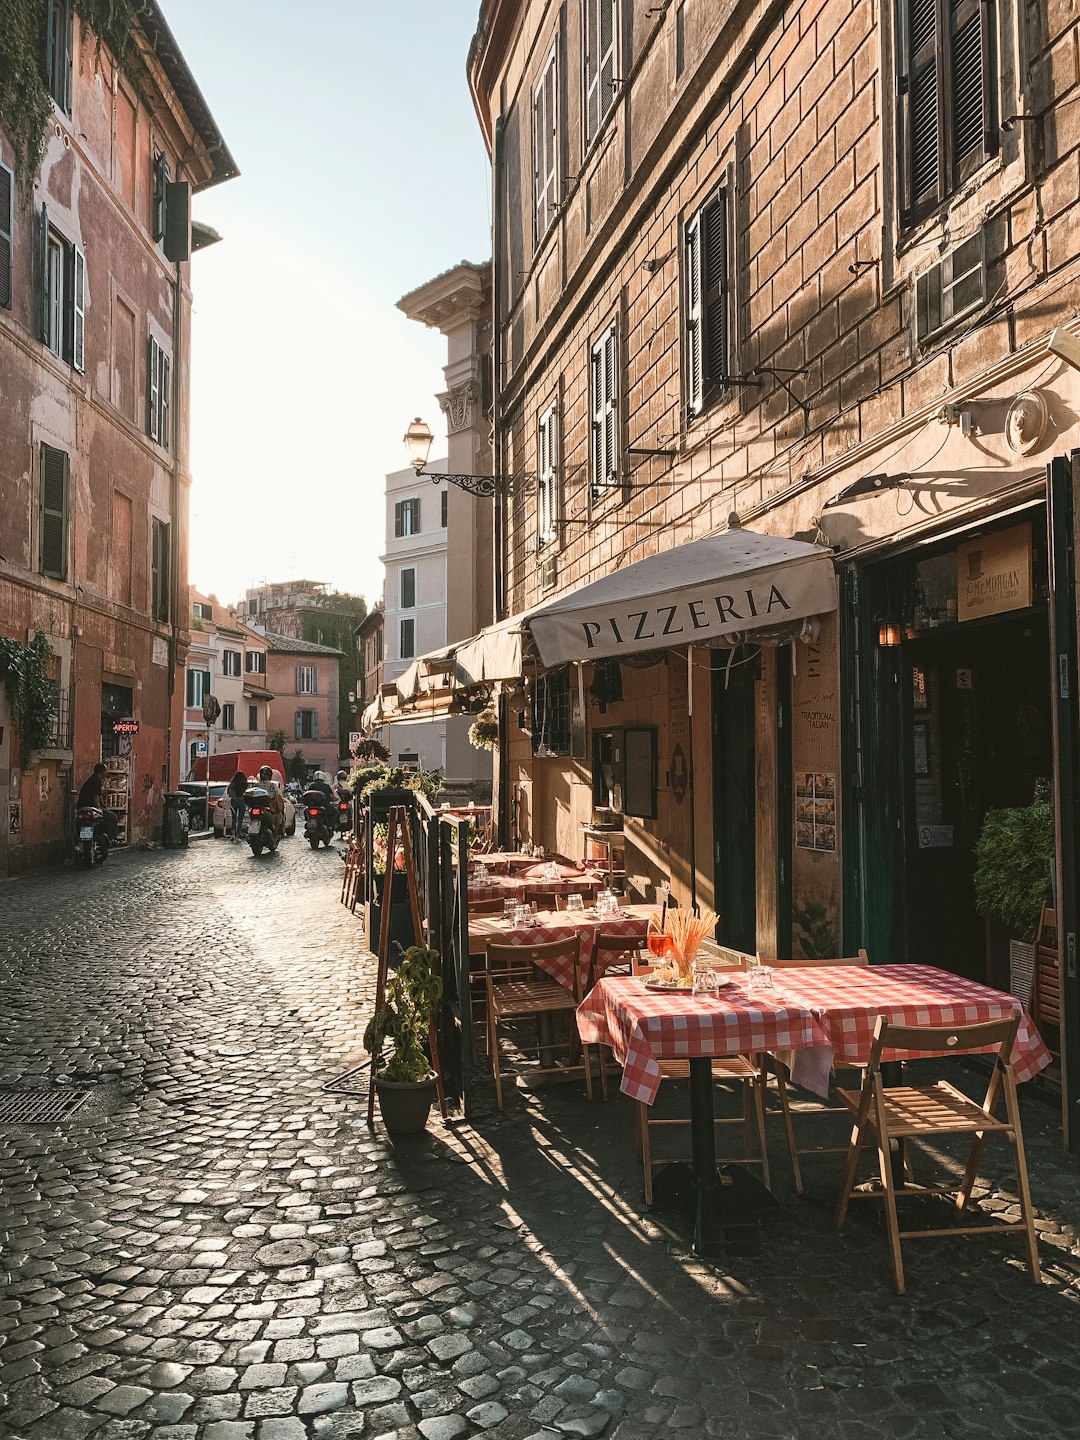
column 1062, row 542
column 734, row 796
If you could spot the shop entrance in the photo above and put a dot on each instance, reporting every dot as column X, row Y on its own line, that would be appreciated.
column 734, row 810
column 956, row 707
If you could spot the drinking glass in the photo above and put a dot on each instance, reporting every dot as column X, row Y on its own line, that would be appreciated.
column 759, row 980
column 575, row 904
column 705, row 980
column 509, row 909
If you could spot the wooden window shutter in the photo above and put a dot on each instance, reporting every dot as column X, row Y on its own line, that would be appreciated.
column 43, row 274
column 609, row 14
column 53, row 513
column 78, row 309
column 592, row 68
column 299, row 679
column 973, row 134
column 921, row 92
column 7, row 234
column 598, row 415
column 153, row 395
column 715, row 296
column 610, row 413
column 399, row 519
column 163, row 399
column 299, row 727
column 693, row 317
column 314, row 724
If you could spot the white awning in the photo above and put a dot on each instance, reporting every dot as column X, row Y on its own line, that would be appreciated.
column 708, row 590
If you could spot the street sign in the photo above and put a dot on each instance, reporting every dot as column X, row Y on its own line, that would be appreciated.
column 355, row 736
column 200, row 747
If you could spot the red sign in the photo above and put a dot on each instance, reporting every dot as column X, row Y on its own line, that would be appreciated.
column 125, row 727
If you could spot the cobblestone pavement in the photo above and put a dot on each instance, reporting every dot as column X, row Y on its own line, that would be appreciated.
column 216, row 1248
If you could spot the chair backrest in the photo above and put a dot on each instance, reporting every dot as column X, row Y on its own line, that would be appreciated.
column 486, row 907
column 1046, row 989
column 737, row 959
column 611, row 950
column 545, row 899
column 944, row 1039
column 516, row 962
column 860, row 959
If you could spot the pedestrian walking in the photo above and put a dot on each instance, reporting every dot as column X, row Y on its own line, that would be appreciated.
column 237, row 785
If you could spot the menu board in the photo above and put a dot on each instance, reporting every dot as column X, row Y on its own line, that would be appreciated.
column 815, row 811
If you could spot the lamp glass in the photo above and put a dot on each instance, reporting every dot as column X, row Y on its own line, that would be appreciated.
column 418, row 443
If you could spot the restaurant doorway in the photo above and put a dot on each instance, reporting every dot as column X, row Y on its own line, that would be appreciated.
column 955, row 708
column 734, row 677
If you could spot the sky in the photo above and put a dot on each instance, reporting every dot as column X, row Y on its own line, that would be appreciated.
column 363, row 175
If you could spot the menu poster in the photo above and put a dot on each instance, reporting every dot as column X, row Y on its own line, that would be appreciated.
column 815, row 811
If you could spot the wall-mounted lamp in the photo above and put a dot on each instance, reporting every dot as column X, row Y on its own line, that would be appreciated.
column 889, row 634
column 867, row 485
column 418, row 440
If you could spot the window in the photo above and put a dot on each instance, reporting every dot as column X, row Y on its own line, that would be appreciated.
column 546, row 147
column 407, row 518
column 604, row 401
column 62, row 276
column 255, row 662
column 58, row 53
column 551, row 714
column 53, row 513
column 547, row 471
column 407, row 589
column 408, row 757
column 230, row 661
column 7, row 233
column 708, row 305
column 443, row 507
column 945, row 92
column 161, row 180
column 228, row 717
column 159, row 570
column 407, row 639
column 307, row 725
column 625, row 771
column 204, row 612
column 601, row 29
column 307, row 680
column 157, row 394
column 198, row 687
column 953, row 287
column 253, row 717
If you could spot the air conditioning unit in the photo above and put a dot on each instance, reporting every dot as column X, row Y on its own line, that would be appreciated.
column 952, row 288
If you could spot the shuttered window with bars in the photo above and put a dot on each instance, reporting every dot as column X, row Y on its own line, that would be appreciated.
column 946, row 97
column 7, row 234
column 159, row 570
column 157, row 393
column 61, row 283
column 406, row 518
column 707, row 327
column 547, row 519
column 546, row 146
column 601, row 48
column 55, row 492
column 603, row 388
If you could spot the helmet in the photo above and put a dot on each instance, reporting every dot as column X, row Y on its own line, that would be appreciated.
column 319, row 775
column 342, row 774
column 265, row 773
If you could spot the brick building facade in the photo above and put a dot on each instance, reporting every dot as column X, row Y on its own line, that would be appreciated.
column 95, row 305
column 799, row 264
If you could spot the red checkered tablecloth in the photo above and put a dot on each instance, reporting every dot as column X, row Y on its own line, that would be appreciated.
column 847, row 999
column 512, row 887
column 644, row 1027
column 632, row 920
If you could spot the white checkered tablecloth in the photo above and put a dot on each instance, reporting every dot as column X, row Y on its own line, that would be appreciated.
column 644, row 1027
column 632, row 920
column 847, row 999
column 512, row 887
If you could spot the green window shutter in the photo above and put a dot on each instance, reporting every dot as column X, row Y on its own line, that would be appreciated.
column 7, row 234
column 163, row 399
column 159, row 566
column 692, row 329
column 314, row 724
column 715, row 295
column 78, row 308
column 43, row 274
column 53, row 513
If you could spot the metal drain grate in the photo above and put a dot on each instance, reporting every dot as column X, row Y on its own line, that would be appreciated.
column 39, row 1107
column 353, row 1082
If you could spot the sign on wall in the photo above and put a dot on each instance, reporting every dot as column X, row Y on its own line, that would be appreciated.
column 993, row 573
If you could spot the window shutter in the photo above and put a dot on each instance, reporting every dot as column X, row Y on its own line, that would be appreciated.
column 610, row 417
column 715, row 300
column 970, row 61
column 314, row 724
column 399, row 519
column 693, row 316
column 608, row 21
column 163, row 399
column 597, row 415
column 7, row 234
column 66, row 41
column 551, row 136
column 299, row 725
column 299, row 679
column 54, row 511
column 920, row 88
column 153, row 397
column 78, row 309
column 43, row 274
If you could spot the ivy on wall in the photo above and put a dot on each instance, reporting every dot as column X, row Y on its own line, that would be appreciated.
column 25, row 102
column 24, row 670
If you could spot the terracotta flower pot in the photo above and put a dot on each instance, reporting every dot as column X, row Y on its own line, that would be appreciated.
column 405, row 1105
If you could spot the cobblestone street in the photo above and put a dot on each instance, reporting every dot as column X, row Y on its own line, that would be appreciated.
column 216, row 1248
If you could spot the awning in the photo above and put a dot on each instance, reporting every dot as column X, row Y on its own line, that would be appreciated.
column 713, row 589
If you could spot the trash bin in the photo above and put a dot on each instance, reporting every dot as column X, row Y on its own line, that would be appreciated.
column 174, row 829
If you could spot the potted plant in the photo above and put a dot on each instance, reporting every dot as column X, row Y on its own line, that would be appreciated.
column 484, row 731
column 1014, row 862
column 404, row 1082
column 370, row 749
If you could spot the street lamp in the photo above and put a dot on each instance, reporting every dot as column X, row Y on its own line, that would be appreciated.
column 418, row 440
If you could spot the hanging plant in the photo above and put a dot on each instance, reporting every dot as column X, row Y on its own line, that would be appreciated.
column 25, row 101
column 484, row 732
column 369, row 750
column 25, row 672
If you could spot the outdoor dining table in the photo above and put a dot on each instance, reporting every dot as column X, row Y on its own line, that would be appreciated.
column 505, row 860
column 631, row 921
column 822, row 1014
column 524, row 887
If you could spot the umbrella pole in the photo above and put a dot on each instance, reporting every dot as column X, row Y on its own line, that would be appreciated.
column 693, row 807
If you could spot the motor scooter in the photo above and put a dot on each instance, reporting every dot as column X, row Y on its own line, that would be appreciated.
column 91, row 836
column 320, row 818
column 265, row 825
column 344, row 815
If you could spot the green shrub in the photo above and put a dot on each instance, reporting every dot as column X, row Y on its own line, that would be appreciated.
column 1014, row 857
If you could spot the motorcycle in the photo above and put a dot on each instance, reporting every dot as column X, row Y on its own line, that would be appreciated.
column 91, row 836
column 344, row 816
column 265, row 826
column 320, row 818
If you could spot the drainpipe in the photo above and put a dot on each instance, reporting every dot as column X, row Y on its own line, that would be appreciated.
column 174, row 526
column 502, row 778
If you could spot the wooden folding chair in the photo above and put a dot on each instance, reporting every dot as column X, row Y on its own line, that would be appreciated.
column 487, row 907
column 545, row 900
column 774, row 1065
column 903, row 1113
column 1046, row 982
column 612, row 955
column 729, row 1070
column 518, row 989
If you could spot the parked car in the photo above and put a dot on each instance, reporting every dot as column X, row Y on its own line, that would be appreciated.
column 222, row 817
column 197, row 804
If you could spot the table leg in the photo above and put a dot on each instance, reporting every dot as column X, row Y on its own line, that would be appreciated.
column 703, row 1150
